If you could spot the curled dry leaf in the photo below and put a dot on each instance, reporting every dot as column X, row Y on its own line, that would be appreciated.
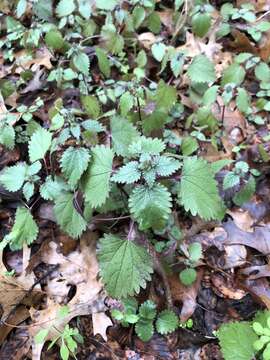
column 225, row 287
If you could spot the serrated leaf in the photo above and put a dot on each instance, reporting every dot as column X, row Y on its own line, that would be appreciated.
column 53, row 188
column 103, row 62
column 189, row 145
column 243, row 101
column 150, row 206
column 28, row 190
column 39, row 144
column 91, row 105
column 123, row 134
column 7, row 136
column 128, row 173
column 236, row 340
column 21, row 8
column 210, row 95
column 167, row 322
column 65, row 8
column 144, row 329
column 235, row 73
column 82, row 63
column 201, row 23
column 230, row 180
column 166, row 96
column 146, row 145
column 98, row 176
column 148, row 310
column 188, row 276
column 126, row 103
column 13, row 177
column 166, row 166
column 198, row 190
column 124, row 266
column 201, row 70
column 67, row 216
column 74, row 162
column 23, row 231
column 195, row 252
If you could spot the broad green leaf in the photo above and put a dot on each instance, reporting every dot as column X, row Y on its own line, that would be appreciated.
column 106, row 4
column 230, row 180
column 64, row 351
column 24, row 230
column 97, row 186
column 146, row 145
column 43, row 9
column 148, row 310
column 165, row 97
column 123, row 134
column 65, row 8
column 54, row 39
column 154, row 22
column 13, row 177
column 124, row 266
column 28, row 190
column 177, row 63
column 91, row 105
column 39, row 144
column 150, row 206
column 188, row 276
column 74, row 162
column 195, row 251
column 40, row 337
column 82, row 63
column 262, row 72
column 126, row 103
column 189, row 145
column 246, row 192
column 236, row 341
column 167, row 322
column 103, row 62
column 53, row 188
column 201, row 70
column 243, row 101
column 235, row 74
column 201, row 24
column 198, row 190
column 210, row 95
column 128, row 173
column 21, row 8
column 158, row 51
column 138, row 15
column 144, row 329
column 85, row 8
column 67, row 216
column 7, row 136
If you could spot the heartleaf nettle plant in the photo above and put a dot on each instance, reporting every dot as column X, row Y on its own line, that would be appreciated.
column 144, row 317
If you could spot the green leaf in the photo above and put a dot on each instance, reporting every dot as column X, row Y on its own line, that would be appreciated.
column 151, row 207
column 147, row 146
column 7, row 136
column 177, row 63
column 65, row 8
column 189, row 145
column 39, row 144
column 82, row 63
column 166, row 166
column 67, row 216
column 201, row 24
column 124, row 266
column 154, row 22
column 243, row 101
column 210, row 95
column 201, row 70
column 166, row 96
column 103, row 62
column 28, row 190
column 123, row 134
column 235, row 74
column 230, row 180
column 54, row 39
column 13, row 177
column 41, row 336
column 64, row 351
column 128, row 173
column 85, row 8
column 106, row 4
column 98, row 176
column 262, row 72
column 167, row 322
column 144, row 329
column 198, row 190
column 158, row 51
column 43, row 9
column 21, row 8
column 74, row 162
column 188, row 276
column 148, row 310
column 126, row 103
column 246, row 192
column 195, row 252
column 236, row 341
column 53, row 188
column 23, row 231
column 138, row 15
column 91, row 105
